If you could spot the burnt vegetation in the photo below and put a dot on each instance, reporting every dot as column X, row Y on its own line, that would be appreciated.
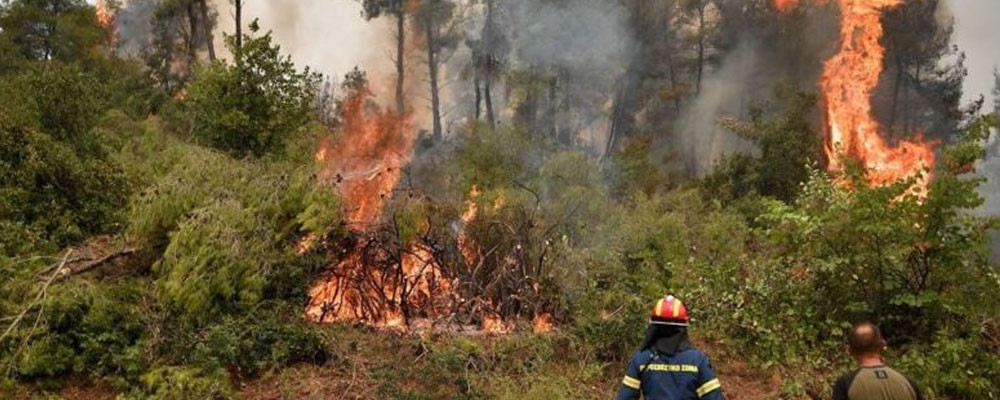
column 490, row 218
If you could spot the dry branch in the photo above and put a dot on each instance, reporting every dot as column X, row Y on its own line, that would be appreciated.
column 63, row 273
column 39, row 297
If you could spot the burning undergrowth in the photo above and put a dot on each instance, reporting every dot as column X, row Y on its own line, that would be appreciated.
column 407, row 261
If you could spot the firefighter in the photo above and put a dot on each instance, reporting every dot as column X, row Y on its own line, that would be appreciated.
column 872, row 380
column 667, row 366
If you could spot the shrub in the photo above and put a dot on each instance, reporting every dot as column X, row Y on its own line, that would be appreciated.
column 223, row 232
column 182, row 383
column 89, row 330
column 253, row 106
column 268, row 337
column 953, row 367
column 56, row 179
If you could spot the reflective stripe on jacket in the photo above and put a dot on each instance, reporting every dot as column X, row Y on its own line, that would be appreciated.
column 687, row 375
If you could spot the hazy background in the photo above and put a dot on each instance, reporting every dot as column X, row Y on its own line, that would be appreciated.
column 331, row 37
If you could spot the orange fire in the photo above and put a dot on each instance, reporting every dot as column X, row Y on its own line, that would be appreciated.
column 849, row 78
column 364, row 164
column 366, row 161
column 469, row 251
column 106, row 19
column 346, row 292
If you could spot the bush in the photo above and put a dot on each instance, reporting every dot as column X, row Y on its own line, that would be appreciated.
column 56, row 180
column 182, row 383
column 88, row 330
column 953, row 368
column 222, row 232
column 268, row 337
column 253, row 106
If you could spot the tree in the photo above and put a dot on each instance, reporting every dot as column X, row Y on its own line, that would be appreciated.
column 44, row 30
column 252, row 106
column 57, row 182
column 922, row 87
column 181, row 30
column 434, row 17
column 696, row 12
column 488, row 55
column 789, row 148
column 652, row 71
column 375, row 8
column 238, row 20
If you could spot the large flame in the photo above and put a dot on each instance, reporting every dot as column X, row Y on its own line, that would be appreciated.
column 104, row 16
column 849, row 78
column 369, row 285
column 106, row 19
column 366, row 161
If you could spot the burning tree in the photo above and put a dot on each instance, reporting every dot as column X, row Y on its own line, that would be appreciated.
column 849, row 79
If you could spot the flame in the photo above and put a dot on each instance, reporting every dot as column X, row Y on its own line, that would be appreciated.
column 849, row 78
column 542, row 323
column 350, row 292
column 492, row 323
column 106, row 19
column 366, row 162
column 465, row 245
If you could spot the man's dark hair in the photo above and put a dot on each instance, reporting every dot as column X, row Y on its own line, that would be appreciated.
column 865, row 338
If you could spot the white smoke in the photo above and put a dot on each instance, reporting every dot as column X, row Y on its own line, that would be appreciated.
column 725, row 92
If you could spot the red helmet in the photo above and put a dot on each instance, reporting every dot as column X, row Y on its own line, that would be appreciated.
column 669, row 311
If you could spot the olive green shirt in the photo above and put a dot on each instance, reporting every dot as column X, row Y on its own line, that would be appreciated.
column 875, row 383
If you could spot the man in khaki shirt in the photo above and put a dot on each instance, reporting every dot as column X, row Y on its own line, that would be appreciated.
column 872, row 380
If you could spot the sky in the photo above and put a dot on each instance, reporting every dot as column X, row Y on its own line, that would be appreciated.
column 977, row 34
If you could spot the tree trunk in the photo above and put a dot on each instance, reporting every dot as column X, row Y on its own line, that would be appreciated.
column 479, row 95
column 206, row 25
column 488, row 95
column 553, row 109
column 192, row 42
column 432, row 64
column 621, row 116
column 488, row 46
column 239, row 23
column 400, row 53
column 701, row 46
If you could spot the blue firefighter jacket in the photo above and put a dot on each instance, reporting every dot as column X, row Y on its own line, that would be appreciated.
column 686, row 375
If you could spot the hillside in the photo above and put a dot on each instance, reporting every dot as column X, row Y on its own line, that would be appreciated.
column 496, row 216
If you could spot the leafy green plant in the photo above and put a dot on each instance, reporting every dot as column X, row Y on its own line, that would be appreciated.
column 254, row 105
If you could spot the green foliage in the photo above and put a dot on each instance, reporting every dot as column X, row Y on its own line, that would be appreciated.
column 182, row 383
column 788, row 147
column 88, row 330
column 215, row 259
column 634, row 170
column 57, row 181
column 43, row 30
column 268, row 337
column 253, row 106
column 953, row 367
column 223, row 231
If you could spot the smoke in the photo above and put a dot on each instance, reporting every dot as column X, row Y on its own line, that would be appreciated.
column 585, row 37
column 328, row 36
column 725, row 93
column 975, row 34
column 585, row 44
column 134, row 28
column 990, row 168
